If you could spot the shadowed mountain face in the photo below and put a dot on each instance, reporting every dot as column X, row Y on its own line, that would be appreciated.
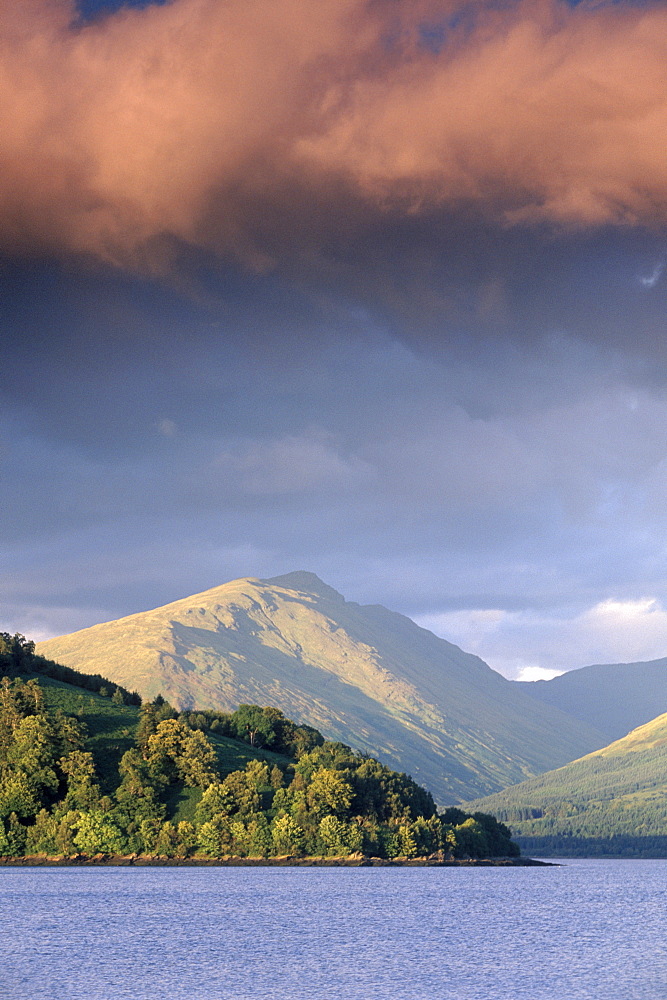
column 611, row 801
column 361, row 674
column 613, row 698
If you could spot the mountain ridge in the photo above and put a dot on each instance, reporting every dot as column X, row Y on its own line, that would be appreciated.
column 612, row 697
column 355, row 672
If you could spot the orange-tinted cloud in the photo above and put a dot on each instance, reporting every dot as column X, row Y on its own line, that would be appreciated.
column 544, row 112
column 214, row 122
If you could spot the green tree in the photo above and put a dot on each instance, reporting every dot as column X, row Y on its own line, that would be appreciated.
column 197, row 764
column 338, row 837
column 187, row 838
column 252, row 723
column 19, row 795
column 13, row 837
column 65, row 833
column 4, row 841
column 146, row 727
column 83, row 791
column 242, row 788
column 329, row 792
column 215, row 836
column 98, row 834
column 277, row 777
column 137, row 800
column 217, row 800
column 149, row 831
column 287, row 835
column 428, row 835
column 167, row 843
column 41, row 836
column 179, row 753
column 259, row 839
column 471, row 840
column 16, row 836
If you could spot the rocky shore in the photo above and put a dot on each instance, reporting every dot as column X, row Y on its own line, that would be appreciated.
column 353, row 861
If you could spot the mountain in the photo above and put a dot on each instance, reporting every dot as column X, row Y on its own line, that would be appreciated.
column 360, row 674
column 613, row 698
column 613, row 801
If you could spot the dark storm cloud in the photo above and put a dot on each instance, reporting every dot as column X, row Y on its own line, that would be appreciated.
column 424, row 480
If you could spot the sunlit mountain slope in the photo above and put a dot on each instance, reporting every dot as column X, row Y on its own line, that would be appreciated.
column 360, row 674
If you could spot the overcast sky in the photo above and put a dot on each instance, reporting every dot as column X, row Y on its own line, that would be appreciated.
column 372, row 289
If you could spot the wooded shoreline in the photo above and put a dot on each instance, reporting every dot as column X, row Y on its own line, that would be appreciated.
column 146, row 860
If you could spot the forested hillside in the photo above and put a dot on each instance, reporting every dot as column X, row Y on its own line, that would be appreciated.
column 82, row 772
column 611, row 802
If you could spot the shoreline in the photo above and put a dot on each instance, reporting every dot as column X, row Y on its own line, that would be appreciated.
column 148, row 860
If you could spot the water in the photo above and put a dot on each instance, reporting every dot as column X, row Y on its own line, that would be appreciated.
column 593, row 930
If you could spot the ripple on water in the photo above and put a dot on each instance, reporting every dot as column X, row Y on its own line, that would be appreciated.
column 588, row 930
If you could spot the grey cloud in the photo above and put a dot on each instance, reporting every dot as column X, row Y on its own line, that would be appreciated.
column 423, row 469
column 425, row 484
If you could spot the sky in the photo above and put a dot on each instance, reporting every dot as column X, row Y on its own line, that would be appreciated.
column 370, row 288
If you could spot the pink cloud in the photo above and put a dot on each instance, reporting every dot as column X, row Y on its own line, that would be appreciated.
column 221, row 124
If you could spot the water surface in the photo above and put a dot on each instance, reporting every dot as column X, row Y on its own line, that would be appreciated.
column 593, row 930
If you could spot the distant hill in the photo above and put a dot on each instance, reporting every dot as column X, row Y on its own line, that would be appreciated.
column 613, row 698
column 360, row 674
column 611, row 802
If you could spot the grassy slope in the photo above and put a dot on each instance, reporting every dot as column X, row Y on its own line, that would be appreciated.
column 613, row 698
column 363, row 675
column 111, row 730
column 619, row 791
column 110, row 727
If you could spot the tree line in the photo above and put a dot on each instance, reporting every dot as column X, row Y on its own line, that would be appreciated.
column 323, row 798
column 17, row 656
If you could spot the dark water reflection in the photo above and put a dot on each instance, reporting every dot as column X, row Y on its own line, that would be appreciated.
column 593, row 930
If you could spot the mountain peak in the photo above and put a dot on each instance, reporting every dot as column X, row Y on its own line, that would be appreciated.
column 306, row 582
column 362, row 675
